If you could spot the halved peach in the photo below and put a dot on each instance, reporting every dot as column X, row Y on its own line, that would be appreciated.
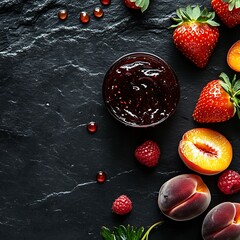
column 184, row 197
column 205, row 151
column 222, row 222
column 233, row 56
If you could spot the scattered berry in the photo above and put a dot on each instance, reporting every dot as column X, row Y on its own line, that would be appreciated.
column 148, row 153
column 229, row 182
column 137, row 4
column 128, row 233
column 196, row 34
column 218, row 101
column 228, row 11
column 122, row 205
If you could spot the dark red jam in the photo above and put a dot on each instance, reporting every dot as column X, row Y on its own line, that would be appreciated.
column 101, row 177
column 98, row 12
column 105, row 2
column 92, row 127
column 63, row 14
column 84, row 17
column 141, row 90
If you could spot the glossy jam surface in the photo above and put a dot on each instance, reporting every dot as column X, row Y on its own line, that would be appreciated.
column 141, row 90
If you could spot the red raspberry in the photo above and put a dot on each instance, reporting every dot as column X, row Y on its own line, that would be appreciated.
column 148, row 153
column 229, row 182
column 122, row 205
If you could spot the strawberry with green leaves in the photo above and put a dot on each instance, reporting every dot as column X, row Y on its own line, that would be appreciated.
column 137, row 4
column 228, row 11
column 196, row 34
column 126, row 233
column 218, row 101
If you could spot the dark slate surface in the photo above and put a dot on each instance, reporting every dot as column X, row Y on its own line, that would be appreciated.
column 50, row 87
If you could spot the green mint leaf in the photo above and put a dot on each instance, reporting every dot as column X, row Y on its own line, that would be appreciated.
column 107, row 234
column 121, row 233
column 139, row 233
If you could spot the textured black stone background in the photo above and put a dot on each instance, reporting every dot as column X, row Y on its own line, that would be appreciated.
column 51, row 74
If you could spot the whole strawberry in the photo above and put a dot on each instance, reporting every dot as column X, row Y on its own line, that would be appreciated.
column 196, row 34
column 218, row 101
column 137, row 4
column 122, row 205
column 229, row 182
column 148, row 153
column 228, row 11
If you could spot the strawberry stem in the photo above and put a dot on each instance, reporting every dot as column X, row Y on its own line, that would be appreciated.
column 145, row 237
column 232, row 4
column 236, row 93
column 143, row 4
column 233, row 89
column 194, row 14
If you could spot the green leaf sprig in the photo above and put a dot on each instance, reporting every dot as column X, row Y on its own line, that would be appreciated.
column 127, row 233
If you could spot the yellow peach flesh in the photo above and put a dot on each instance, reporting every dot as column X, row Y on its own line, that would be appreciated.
column 233, row 57
column 205, row 151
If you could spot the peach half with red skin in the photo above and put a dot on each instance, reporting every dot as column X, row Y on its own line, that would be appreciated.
column 184, row 197
column 205, row 151
column 222, row 222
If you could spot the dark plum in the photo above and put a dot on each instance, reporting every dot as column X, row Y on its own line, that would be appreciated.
column 222, row 222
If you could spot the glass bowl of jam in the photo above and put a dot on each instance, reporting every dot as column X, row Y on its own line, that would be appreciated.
column 141, row 90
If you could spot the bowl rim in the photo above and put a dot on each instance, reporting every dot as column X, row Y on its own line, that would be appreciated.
column 131, row 124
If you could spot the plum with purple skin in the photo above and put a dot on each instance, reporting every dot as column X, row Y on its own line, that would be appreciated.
column 184, row 197
column 222, row 222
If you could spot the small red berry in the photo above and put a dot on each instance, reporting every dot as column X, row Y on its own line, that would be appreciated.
column 122, row 205
column 229, row 182
column 130, row 4
column 148, row 153
column 137, row 4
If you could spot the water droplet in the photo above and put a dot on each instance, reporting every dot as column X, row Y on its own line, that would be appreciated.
column 105, row 2
column 92, row 127
column 84, row 17
column 98, row 12
column 63, row 14
column 101, row 177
